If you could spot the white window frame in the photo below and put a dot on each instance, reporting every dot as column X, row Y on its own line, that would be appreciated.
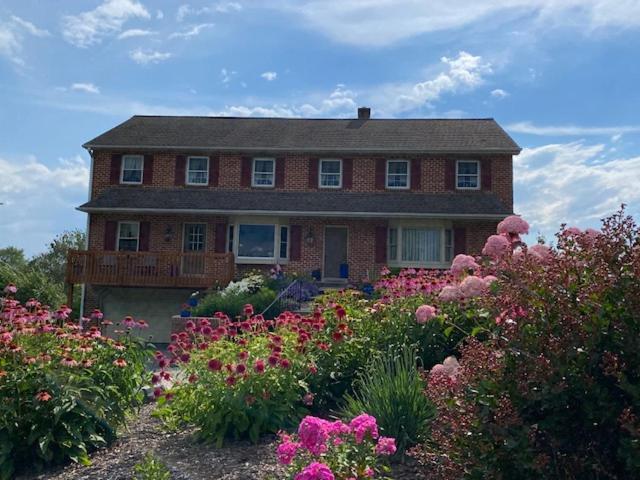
column 479, row 176
column 276, row 242
column 184, row 237
column 386, row 176
column 118, row 238
column 253, row 172
column 122, row 161
column 443, row 226
column 187, row 172
column 320, row 185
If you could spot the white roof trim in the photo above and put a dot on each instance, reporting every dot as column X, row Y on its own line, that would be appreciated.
column 294, row 213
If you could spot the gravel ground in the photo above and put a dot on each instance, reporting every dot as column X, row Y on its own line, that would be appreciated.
column 185, row 458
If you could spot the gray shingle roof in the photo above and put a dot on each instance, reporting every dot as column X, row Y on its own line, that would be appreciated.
column 394, row 204
column 309, row 135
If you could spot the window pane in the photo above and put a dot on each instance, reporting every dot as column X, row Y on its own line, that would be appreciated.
column 128, row 230
column 393, row 244
column 398, row 167
column 256, row 241
column 198, row 163
column 198, row 177
column 128, row 245
column 263, row 172
column 330, row 166
column 194, row 236
column 132, row 176
column 132, row 163
column 467, row 168
column 421, row 245
column 284, row 234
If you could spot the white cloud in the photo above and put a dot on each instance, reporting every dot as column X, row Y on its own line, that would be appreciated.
column 340, row 102
column 499, row 93
column 89, row 28
column 85, row 87
column 144, row 57
column 227, row 75
column 574, row 183
column 12, row 36
column 269, row 76
column 462, row 73
column 187, row 10
column 570, row 130
column 383, row 22
column 39, row 200
column 192, row 32
column 135, row 32
column 159, row 15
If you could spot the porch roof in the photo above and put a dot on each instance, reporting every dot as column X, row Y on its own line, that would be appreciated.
column 317, row 204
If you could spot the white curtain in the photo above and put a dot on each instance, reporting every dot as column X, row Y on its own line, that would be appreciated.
column 421, row 245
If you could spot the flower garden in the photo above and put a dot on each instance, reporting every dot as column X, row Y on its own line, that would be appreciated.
column 520, row 363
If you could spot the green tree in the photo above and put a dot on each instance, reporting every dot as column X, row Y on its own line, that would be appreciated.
column 13, row 257
column 53, row 262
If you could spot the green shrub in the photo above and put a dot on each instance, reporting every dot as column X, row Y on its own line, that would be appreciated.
column 63, row 390
column 151, row 468
column 391, row 390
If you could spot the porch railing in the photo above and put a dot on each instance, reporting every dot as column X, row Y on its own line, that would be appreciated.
column 150, row 269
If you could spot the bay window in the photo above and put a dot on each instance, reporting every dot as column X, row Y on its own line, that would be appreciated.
column 419, row 245
column 259, row 242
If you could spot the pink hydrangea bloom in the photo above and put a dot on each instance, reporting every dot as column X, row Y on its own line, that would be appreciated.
column 541, row 253
column 363, row 424
column 315, row 471
column 386, row 446
column 449, row 368
column 462, row 263
column 513, row 224
column 496, row 246
column 450, row 293
column 313, row 434
column 473, row 286
column 424, row 313
column 286, row 451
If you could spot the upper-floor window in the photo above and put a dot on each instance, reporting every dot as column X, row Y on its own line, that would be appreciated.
column 263, row 172
column 330, row 173
column 468, row 174
column 397, row 174
column 128, row 236
column 194, row 237
column 197, row 170
column 132, row 166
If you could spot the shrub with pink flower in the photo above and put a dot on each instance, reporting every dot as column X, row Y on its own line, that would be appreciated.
column 463, row 264
column 497, row 246
column 424, row 313
column 472, row 286
column 513, row 225
column 335, row 450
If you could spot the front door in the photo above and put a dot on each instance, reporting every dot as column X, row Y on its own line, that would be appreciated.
column 335, row 250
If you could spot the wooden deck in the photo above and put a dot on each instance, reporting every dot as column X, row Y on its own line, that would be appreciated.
column 150, row 269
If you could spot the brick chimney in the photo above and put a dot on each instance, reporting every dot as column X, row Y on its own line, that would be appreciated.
column 364, row 113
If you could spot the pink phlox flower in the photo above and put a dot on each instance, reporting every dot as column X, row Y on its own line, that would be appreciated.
column 496, row 246
column 287, row 451
column 513, row 224
column 312, row 433
column 386, row 446
column 315, row 471
column 363, row 424
column 424, row 313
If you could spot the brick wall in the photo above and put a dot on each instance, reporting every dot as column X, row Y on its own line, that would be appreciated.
column 296, row 170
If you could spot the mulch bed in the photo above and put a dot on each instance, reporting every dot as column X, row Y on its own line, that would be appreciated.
column 183, row 455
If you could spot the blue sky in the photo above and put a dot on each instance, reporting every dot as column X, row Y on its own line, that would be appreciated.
column 561, row 76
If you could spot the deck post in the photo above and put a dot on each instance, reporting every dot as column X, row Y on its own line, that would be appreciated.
column 70, row 296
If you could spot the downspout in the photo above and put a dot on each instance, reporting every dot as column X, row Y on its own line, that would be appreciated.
column 86, row 241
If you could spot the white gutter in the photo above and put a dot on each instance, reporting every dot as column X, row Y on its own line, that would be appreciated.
column 295, row 213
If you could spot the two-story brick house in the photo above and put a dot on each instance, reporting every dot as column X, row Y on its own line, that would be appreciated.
column 182, row 203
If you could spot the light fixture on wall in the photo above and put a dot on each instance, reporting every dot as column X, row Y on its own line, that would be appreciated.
column 168, row 233
column 309, row 239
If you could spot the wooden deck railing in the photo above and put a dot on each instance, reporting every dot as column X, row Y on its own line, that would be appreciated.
column 150, row 269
